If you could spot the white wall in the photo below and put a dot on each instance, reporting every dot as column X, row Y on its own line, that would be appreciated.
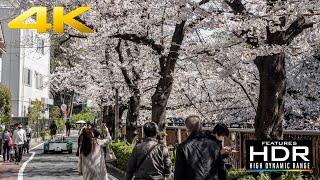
column 38, row 61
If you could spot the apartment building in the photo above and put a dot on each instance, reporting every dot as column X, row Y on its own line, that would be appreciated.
column 26, row 64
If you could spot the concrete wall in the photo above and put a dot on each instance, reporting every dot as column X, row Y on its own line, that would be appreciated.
column 11, row 60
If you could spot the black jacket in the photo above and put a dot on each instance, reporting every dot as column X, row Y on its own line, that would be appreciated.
column 222, row 171
column 198, row 158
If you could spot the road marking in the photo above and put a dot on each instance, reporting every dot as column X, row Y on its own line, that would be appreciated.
column 24, row 165
column 36, row 146
column 20, row 174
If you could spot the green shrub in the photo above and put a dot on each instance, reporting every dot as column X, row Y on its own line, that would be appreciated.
column 238, row 174
column 34, row 112
column 122, row 151
column 84, row 116
column 242, row 174
column 5, row 105
column 55, row 113
column 60, row 125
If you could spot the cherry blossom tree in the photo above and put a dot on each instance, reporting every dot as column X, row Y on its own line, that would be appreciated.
column 210, row 49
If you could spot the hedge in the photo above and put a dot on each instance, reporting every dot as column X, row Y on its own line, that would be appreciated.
column 122, row 151
column 242, row 174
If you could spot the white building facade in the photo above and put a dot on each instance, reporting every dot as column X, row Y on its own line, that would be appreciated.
column 26, row 65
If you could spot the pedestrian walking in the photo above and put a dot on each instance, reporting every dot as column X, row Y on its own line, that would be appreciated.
column 149, row 159
column 53, row 130
column 197, row 157
column 19, row 139
column 79, row 153
column 68, row 127
column 7, row 144
column 29, row 137
column 93, row 164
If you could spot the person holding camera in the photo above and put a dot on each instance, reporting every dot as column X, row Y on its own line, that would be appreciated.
column 92, row 161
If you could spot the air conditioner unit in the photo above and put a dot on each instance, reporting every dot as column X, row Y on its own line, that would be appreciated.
column 44, row 100
column 47, row 101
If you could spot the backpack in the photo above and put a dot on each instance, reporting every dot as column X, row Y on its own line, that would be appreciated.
column 10, row 142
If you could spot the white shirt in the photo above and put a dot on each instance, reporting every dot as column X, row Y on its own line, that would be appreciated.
column 19, row 136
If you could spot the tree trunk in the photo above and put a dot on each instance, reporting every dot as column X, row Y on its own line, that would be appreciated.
column 270, row 111
column 159, row 101
column 109, row 117
column 164, row 86
column 132, row 117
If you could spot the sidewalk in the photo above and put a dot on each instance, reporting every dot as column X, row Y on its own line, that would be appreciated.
column 9, row 171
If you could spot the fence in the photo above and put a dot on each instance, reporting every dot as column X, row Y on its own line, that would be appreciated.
column 238, row 137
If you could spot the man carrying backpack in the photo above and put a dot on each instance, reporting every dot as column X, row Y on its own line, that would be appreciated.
column 149, row 159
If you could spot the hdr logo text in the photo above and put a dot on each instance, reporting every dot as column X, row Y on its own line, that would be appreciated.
column 58, row 20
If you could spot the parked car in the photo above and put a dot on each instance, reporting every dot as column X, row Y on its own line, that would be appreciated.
column 58, row 144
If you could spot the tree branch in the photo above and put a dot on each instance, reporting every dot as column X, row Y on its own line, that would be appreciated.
column 287, row 36
column 236, row 5
column 140, row 40
column 71, row 36
column 123, row 69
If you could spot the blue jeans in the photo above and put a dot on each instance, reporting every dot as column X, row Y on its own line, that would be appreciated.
column 6, row 151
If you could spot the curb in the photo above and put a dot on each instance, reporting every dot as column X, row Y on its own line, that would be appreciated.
column 116, row 172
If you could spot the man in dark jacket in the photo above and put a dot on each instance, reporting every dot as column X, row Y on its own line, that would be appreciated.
column 197, row 158
column 219, row 132
column 53, row 130
column 68, row 127
column 149, row 159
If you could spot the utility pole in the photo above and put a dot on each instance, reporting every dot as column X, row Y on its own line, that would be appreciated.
column 116, row 115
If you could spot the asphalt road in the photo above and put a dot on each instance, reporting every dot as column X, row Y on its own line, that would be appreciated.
column 54, row 166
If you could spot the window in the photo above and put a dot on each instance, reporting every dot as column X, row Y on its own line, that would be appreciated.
column 29, row 37
column 27, row 77
column 39, row 81
column 40, row 45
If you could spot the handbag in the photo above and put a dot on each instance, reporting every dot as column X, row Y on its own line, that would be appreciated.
column 110, row 156
column 10, row 142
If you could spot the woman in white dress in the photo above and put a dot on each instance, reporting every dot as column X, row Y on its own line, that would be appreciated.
column 93, row 163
